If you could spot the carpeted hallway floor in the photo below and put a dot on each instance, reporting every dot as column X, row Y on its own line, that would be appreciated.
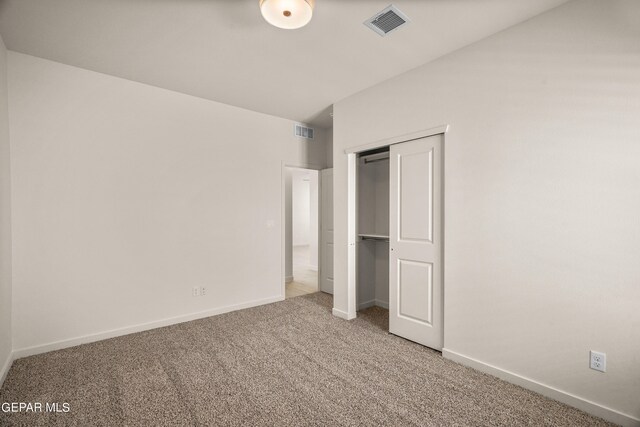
column 285, row 364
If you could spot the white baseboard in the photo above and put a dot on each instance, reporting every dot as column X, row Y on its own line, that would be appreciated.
column 383, row 304
column 545, row 390
column 288, row 279
column 366, row 304
column 342, row 314
column 372, row 303
column 58, row 345
column 4, row 370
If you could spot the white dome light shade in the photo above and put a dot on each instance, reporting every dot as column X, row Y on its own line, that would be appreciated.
column 287, row 14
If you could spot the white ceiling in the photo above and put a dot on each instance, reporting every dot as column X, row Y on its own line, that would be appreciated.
column 224, row 51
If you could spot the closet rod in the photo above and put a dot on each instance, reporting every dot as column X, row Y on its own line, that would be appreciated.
column 377, row 237
column 376, row 157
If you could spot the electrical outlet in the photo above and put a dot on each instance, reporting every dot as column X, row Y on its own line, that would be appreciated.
column 598, row 361
column 203, row 290
column 195, row 291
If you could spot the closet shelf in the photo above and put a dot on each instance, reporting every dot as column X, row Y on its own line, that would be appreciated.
column 373, row 237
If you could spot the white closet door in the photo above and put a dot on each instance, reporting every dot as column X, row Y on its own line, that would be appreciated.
column 326, row 231
column 415, row 234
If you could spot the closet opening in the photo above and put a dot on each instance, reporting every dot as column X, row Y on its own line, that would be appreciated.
column 373, row 229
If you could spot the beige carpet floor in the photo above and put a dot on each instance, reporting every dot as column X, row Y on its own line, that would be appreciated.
column 285, row 364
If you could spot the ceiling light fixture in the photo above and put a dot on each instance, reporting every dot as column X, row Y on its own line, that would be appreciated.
column 287, row 14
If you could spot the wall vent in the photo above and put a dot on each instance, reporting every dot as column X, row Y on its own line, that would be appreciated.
column 304, row 132
column 387, row 20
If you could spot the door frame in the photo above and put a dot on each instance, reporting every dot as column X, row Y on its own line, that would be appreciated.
column 283, row 217
column 352, row 214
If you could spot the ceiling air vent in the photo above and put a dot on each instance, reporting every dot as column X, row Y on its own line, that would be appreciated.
column 304, row 132
column 387, row 20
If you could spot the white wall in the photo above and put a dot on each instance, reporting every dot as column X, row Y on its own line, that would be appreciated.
column 542, row 195
column 304, row 190
column 301, row 216
column 301, row 197
column 126, row 196
column 5, row 221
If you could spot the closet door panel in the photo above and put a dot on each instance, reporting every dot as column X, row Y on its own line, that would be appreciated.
column 415, row 202
column 415, row 258
column 415, row 296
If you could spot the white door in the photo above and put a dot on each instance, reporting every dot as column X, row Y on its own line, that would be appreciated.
column 415, row 236
column 326, row 231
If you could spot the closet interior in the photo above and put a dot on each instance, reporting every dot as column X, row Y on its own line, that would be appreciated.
column 373, row 229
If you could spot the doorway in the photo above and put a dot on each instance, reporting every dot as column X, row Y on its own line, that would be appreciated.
column 301, row 231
